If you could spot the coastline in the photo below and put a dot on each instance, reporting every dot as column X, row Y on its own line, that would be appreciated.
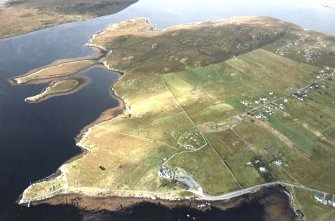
column 273, row 199
column 299, row 214
column 112, row 112
column 117, row 203
column 108, row 115
column 114, row 200
column 100, row 53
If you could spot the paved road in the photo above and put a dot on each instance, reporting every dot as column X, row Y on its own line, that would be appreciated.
column 203, row 196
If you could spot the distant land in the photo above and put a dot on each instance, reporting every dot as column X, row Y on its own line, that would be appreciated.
column 22, row 16
column 208, row 111
column 328, row 3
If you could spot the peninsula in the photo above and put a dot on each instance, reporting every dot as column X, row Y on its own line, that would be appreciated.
column 211, row 111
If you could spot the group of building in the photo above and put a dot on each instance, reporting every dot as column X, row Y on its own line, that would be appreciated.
column 166, row 173
column 322, row 198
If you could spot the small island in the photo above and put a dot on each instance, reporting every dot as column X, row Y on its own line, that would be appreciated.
column 62, row 87
column 210, row 111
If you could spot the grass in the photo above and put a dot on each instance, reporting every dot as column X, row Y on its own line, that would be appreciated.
column 270, row 148
column 239, row 79
column 147, row 51
column 63, row 86
column 312, row 210
column 19, row 17
column 207, row 169
column 295, row 132
column 236, row 155
column 129, row 169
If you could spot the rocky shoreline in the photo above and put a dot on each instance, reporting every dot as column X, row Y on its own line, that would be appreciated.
column 100, row 54
column 274, row 200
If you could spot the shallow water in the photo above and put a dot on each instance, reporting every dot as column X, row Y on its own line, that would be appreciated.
column 37, row 138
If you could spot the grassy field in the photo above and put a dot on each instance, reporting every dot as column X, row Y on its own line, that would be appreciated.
column 236, row 156
column 22, row 16
column 230, row 122
column 207, row 169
